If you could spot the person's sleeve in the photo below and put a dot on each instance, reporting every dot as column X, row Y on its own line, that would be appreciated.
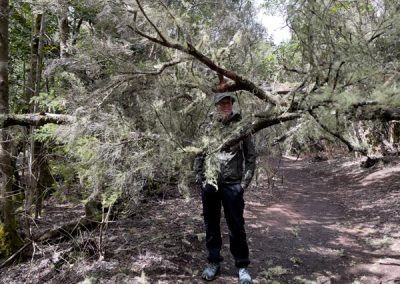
column 249, row 152
column 199, row 169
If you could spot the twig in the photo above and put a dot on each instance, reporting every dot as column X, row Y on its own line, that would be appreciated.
column 151, row 23
column 103, row 225
column 156, row 72
column 287, row 134
column 166, row 130
column 337, row 75
column 172, row 16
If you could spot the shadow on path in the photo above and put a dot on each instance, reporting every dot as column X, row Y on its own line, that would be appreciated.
column 324, row 225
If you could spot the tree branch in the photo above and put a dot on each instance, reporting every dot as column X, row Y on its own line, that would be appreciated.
column 294, row 70
column 241, row 83
column 364, row 103
column 351, row 147
column 151, row 23
column 378, row 112
column 35, row 119
column 156, row 72
column 287, row 134
column 256, row 126
column 337, row 75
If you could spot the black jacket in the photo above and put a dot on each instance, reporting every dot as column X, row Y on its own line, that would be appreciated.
column 240, row 168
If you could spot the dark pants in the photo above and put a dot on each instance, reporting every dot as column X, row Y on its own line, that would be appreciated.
column 231, row 197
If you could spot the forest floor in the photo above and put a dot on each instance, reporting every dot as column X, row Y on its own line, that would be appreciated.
column 307, row 222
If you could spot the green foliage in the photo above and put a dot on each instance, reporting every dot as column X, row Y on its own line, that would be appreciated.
column 67, row 171
column 9, row 242
column 110, row 197
column 46, row 133
column 133, row 130
column 389, row 96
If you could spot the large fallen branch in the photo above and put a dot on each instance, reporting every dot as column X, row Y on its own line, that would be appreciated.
column 377, row 112
column 256, row 126
column 350, row 146
column 35, row 119
column 67, row 231
column 239, row 82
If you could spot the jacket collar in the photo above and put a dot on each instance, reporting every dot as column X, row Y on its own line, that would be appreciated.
column 234, row 117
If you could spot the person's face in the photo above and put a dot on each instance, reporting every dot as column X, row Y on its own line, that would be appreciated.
column 224, row 107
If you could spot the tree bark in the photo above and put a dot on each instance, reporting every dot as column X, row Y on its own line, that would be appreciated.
column 63, row 28
column 10, row 240
column 31, row 86
column 378, row 112
column 33, row 192
column 256, row 126
column 34, row 119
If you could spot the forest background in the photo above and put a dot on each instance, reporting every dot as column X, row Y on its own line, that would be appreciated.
column 103, row 102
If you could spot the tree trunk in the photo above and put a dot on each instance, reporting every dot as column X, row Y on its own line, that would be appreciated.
column 9, row 239
column 63, row 28
column 31, row 85
column 38, row 150
column 33, row 194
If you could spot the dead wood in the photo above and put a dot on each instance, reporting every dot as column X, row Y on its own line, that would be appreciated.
column 34, row 119
column 377, row 112
column 372, row 161
column 66, row 231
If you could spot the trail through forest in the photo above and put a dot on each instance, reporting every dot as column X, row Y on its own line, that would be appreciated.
column 308, row 222
column 331, row 222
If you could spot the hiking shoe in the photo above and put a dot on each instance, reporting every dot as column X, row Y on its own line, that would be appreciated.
column 244, row 276
column 210, row 271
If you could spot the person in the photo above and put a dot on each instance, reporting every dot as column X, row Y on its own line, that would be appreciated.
column 234, row 177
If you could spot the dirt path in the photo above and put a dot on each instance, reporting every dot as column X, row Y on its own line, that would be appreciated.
column 325, row 222
column 329, row 222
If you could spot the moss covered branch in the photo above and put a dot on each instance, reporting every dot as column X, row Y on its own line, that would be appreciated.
column 34, row 119
column 258, row 125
